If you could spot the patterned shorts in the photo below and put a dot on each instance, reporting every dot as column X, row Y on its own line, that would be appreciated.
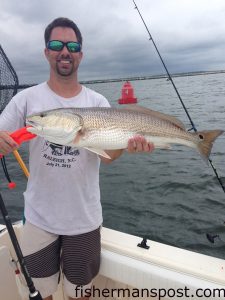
column 45, row 253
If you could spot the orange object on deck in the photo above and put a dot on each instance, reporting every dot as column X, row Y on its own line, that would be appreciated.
column 127, row 94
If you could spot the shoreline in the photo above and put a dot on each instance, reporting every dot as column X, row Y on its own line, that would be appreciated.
column 123, row 79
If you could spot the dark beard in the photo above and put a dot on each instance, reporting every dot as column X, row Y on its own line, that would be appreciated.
column 66, row 73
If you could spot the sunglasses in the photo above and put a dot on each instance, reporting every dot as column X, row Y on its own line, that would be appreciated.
column 56, row 45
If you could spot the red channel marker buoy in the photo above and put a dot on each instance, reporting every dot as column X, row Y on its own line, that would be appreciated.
column 127, row 94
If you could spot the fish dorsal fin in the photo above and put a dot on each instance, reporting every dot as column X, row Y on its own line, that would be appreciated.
column 148, row 111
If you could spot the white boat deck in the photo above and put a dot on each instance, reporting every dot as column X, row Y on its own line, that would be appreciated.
column 127, row 270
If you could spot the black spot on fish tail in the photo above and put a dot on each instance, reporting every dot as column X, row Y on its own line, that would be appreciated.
column 206, row 139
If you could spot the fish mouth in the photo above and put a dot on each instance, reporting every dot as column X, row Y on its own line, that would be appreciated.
column 34, row 125
column 31, row 123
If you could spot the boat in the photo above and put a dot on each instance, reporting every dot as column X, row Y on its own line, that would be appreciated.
column 131, row 268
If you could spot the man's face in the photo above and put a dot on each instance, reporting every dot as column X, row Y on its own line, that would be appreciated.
column 63, row 63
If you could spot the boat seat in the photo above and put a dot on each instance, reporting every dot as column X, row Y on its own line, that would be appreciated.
column 8, row 286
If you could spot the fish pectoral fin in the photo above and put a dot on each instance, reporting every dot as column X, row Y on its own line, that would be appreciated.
column 98, row 152
column 79, row 134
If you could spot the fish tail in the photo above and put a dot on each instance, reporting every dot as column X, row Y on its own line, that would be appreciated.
column 206, row 139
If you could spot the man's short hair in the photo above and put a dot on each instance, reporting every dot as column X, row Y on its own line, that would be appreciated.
column 62, row 22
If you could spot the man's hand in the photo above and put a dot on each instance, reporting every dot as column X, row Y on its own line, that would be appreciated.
column 7, row 144
column 139, row 144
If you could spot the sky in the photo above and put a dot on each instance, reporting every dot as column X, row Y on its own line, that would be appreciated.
column 189, row 34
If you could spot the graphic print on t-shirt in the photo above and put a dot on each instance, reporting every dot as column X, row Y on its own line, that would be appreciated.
column 59, row 156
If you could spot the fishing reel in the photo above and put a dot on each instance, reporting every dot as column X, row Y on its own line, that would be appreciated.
column 212, row 237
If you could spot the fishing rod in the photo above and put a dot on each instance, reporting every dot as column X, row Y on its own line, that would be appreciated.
column 176, row 90
column 34, row 294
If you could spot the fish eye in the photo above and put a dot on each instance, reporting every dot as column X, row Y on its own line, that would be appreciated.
column 42, row 115
column 201, row 137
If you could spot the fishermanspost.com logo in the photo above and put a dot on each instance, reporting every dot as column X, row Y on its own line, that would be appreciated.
column 160, row 293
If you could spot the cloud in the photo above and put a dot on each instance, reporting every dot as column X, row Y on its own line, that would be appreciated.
column 189, row 35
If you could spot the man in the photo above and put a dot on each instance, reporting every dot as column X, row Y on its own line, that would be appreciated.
column 62, row 200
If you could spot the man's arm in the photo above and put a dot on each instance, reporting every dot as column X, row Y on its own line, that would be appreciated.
column 135, row 144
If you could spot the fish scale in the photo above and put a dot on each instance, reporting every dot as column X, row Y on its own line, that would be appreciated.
column 129, row 123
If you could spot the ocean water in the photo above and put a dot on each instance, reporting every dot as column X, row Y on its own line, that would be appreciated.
column 169, row 196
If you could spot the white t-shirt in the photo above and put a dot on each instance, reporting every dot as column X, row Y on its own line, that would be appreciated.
column 62, row 194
